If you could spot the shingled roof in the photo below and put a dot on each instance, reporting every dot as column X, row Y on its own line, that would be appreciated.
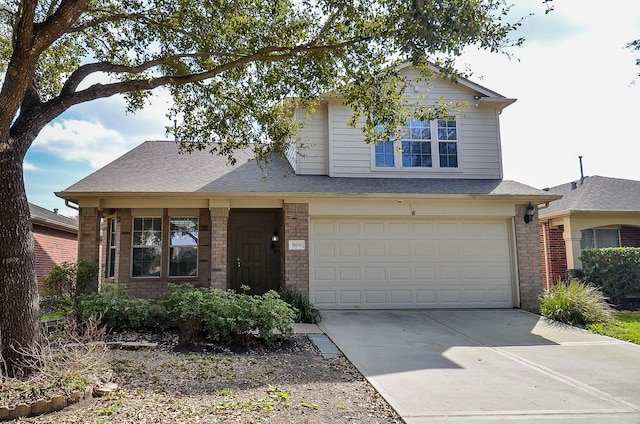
column 47, row 218
column 596, row 194
column 157, row 167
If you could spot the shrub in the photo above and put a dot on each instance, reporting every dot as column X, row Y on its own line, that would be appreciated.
column 576, row 303
column 227, row 316
column 305, row 311
column 112, row 308
column 616, row 271
column 67, row 284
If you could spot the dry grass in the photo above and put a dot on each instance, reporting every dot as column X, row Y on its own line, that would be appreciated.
column 209, row 383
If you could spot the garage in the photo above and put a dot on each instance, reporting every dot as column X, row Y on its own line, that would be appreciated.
column 385, row 263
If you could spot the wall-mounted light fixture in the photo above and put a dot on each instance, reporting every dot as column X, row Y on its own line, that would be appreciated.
column 274, row 241
column 528, row 215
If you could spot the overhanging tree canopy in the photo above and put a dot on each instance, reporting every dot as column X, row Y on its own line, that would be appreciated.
column 230, row 66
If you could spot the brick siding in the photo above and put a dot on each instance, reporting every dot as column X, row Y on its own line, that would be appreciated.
column 219, row 255
column 89, row 236
column 53, row 247
column 529, row 264
column 555, row 262
column 630, row 236
column 296, row 262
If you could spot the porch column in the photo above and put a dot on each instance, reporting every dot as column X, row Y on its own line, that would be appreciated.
column 89, row 238
column 529, row 261
column 296, row 262
column 219, row 229
column 572, row 238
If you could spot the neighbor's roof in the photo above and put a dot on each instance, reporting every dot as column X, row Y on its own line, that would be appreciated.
column 47, row 218
column 596, row 194
column 157, row 167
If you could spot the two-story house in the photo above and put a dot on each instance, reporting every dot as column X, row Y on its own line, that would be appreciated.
column 422, row 222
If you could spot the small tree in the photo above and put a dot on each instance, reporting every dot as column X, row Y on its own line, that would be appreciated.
column 67, row 284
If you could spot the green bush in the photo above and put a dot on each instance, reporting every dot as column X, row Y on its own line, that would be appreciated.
column 615, row 271
column 112, row 308
column 227, row 316
column 576, row 303
column 305, row 311
column 66, row 285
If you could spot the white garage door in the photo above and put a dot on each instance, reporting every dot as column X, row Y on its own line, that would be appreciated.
column 379, row 264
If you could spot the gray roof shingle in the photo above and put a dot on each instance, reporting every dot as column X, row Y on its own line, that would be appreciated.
column 158, row 167
column 47, row 218
column 596, row 194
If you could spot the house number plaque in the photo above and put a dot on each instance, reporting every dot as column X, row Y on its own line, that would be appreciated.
column 297, row 245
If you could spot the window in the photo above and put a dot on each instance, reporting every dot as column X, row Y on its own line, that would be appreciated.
column 183, row 247
column 147, row 242
column 417, row 150
column 448, row 149
column 111, row 244
column 385, row 153
column 416, row 144
column 600, row 238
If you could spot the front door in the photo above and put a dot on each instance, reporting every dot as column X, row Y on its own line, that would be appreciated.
column 253, row 258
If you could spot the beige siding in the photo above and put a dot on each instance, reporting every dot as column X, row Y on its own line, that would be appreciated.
column 479, row 142
column 311, row 151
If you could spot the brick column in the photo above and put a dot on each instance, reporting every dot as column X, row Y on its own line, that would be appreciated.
column 219, row 233
column 529, row 263
column 89, row 237
column 296, row 262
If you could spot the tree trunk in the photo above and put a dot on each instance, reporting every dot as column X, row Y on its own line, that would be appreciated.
column 19, row 328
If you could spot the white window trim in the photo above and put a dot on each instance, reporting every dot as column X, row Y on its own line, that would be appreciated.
column 133, row 218
column 169, row 246
column 435, row 155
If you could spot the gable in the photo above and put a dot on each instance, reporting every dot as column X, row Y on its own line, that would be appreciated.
column 328, row 146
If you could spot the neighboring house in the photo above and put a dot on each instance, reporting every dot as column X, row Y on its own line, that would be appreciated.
column 55, row 237
column 352, row 225
column 593, row 212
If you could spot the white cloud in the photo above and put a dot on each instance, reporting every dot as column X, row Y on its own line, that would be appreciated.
column 28, row 166
column 100, row 131
column 75, row 140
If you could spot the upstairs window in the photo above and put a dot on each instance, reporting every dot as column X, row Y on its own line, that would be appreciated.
column 448, row 142
column 385, row 154
column 417, row 150
column 416, row 144
column 147, row 247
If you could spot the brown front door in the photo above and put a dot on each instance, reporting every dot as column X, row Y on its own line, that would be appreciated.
column 252, row 261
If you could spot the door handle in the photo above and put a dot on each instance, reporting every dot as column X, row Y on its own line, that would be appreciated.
column 238, row 262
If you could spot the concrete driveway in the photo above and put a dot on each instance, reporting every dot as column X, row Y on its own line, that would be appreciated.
column 440, row 366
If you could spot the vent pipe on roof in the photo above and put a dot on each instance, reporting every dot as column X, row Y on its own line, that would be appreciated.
column 55, row 210
column 581, row 173
column 574, row 185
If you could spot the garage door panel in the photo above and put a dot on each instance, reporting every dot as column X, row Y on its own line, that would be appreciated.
column 370, row 263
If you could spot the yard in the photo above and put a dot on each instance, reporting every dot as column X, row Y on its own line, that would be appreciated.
column 208, row 383
column 626, row 327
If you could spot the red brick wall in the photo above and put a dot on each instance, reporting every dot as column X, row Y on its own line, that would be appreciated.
column 53, row 247
column 630, row 236
column 555, row 261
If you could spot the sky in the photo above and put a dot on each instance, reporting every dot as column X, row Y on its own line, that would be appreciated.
column 576, row 85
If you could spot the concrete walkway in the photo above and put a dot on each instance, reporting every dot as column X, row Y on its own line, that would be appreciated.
column 489, row 366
